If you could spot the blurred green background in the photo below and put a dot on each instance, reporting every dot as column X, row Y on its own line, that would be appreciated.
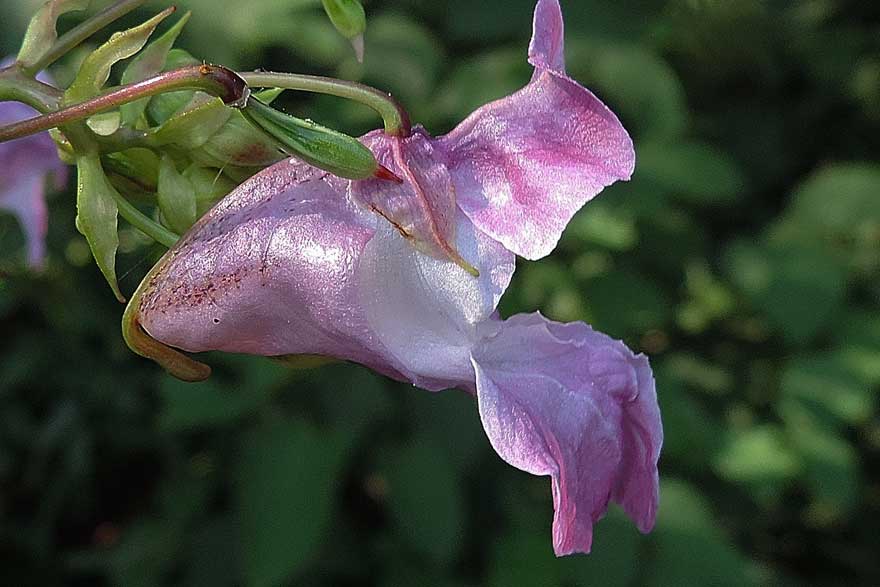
column 743, row 257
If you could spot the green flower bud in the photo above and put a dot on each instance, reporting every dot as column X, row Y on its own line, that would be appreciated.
column 239, row 144
column 194, row 126
column 320, row 146
column 349, row 19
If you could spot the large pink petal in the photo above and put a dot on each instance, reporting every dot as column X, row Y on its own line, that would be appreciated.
column 289, row 264
column 566, row 401
column 269, row 271
column 523, row 165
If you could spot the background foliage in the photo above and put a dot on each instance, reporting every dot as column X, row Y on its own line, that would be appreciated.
column 744, row 258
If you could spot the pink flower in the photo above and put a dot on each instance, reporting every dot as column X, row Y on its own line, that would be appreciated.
column 296, row 261
column 24, row 166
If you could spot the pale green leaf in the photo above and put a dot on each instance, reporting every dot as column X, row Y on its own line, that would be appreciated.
column 95, row 70
column 96, row 215
column 41, row 32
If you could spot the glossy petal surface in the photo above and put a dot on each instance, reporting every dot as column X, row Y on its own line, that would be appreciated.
column 289, row 264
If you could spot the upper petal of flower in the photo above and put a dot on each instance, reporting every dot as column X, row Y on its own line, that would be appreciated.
column 523, row 165
column 566, row 401
column 422, row 208
column 547, row 48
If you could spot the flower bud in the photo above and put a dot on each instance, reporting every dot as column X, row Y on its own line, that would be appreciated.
column 317, row 145
column 349, row 19
column 239, row 144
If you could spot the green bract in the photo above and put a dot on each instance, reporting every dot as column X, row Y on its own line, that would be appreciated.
column 96, row 215
column 41, row 33
column 149, row 62
column 95, row 70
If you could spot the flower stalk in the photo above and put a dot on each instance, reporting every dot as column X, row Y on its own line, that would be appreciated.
column 395, row 118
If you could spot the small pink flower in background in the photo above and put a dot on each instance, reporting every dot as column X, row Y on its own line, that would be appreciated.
column 296, row 261
column 25, row 167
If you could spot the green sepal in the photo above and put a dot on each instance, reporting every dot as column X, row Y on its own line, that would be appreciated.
column 210, row 186
column 162, row 107
column 177, row 197
column 42, row 33
column 95, row 70
column 239, row 144
column 97, row 215
column 139, row 165
column 268, row 95
column 137, row 339
column 193, row 127
column 149, row 62
column 317, row 145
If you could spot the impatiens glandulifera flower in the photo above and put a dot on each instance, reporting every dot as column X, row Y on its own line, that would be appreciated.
column 406, row 278
column 26, row 165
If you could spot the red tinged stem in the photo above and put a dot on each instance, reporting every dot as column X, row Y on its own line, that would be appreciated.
column 213, row 79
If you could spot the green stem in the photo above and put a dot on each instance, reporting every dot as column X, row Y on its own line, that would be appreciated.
column 144, row 223
column 83, row 31
column 215, row 80
column 82, row 141
column 15, row 86
column 392, row 112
